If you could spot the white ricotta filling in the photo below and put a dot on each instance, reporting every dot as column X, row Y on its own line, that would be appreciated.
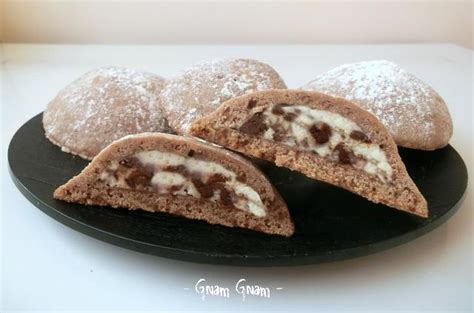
column 376, row 162
column 248, row 199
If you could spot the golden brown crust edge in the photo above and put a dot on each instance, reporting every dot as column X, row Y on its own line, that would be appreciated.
column 86, row 188
column 218, row 127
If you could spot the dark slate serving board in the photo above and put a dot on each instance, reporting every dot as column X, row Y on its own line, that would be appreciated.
column 331, row 223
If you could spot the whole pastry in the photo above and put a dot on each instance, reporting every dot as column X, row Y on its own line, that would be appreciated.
column 415, row 114
column 102, row 106
column 200, row 89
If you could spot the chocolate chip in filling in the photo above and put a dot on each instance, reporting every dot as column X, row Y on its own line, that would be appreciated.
column 279, row 133
column 139, row 175
column 360, row 136
column 216, row 178
column 130, row 162
column 206, row 191
column 290, row 117
column 180, row 169
column 255, row 125
column 213, row 183
column 345, row 155
column 321, row 132
column 252, row 103
column 278, row 109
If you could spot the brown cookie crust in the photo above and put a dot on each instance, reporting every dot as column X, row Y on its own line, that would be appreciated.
column 220, row 127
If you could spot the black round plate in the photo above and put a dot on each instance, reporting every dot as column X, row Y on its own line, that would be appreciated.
column 331, row 223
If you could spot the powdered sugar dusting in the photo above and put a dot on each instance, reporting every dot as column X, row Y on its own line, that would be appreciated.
column 200, row 89
column 102, row 106
column 401, row 101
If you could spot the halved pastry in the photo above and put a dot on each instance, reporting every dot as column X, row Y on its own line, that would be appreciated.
column 180, row 175
column 326, row 138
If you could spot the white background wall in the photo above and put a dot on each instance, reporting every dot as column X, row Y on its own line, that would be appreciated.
column 257, row 22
